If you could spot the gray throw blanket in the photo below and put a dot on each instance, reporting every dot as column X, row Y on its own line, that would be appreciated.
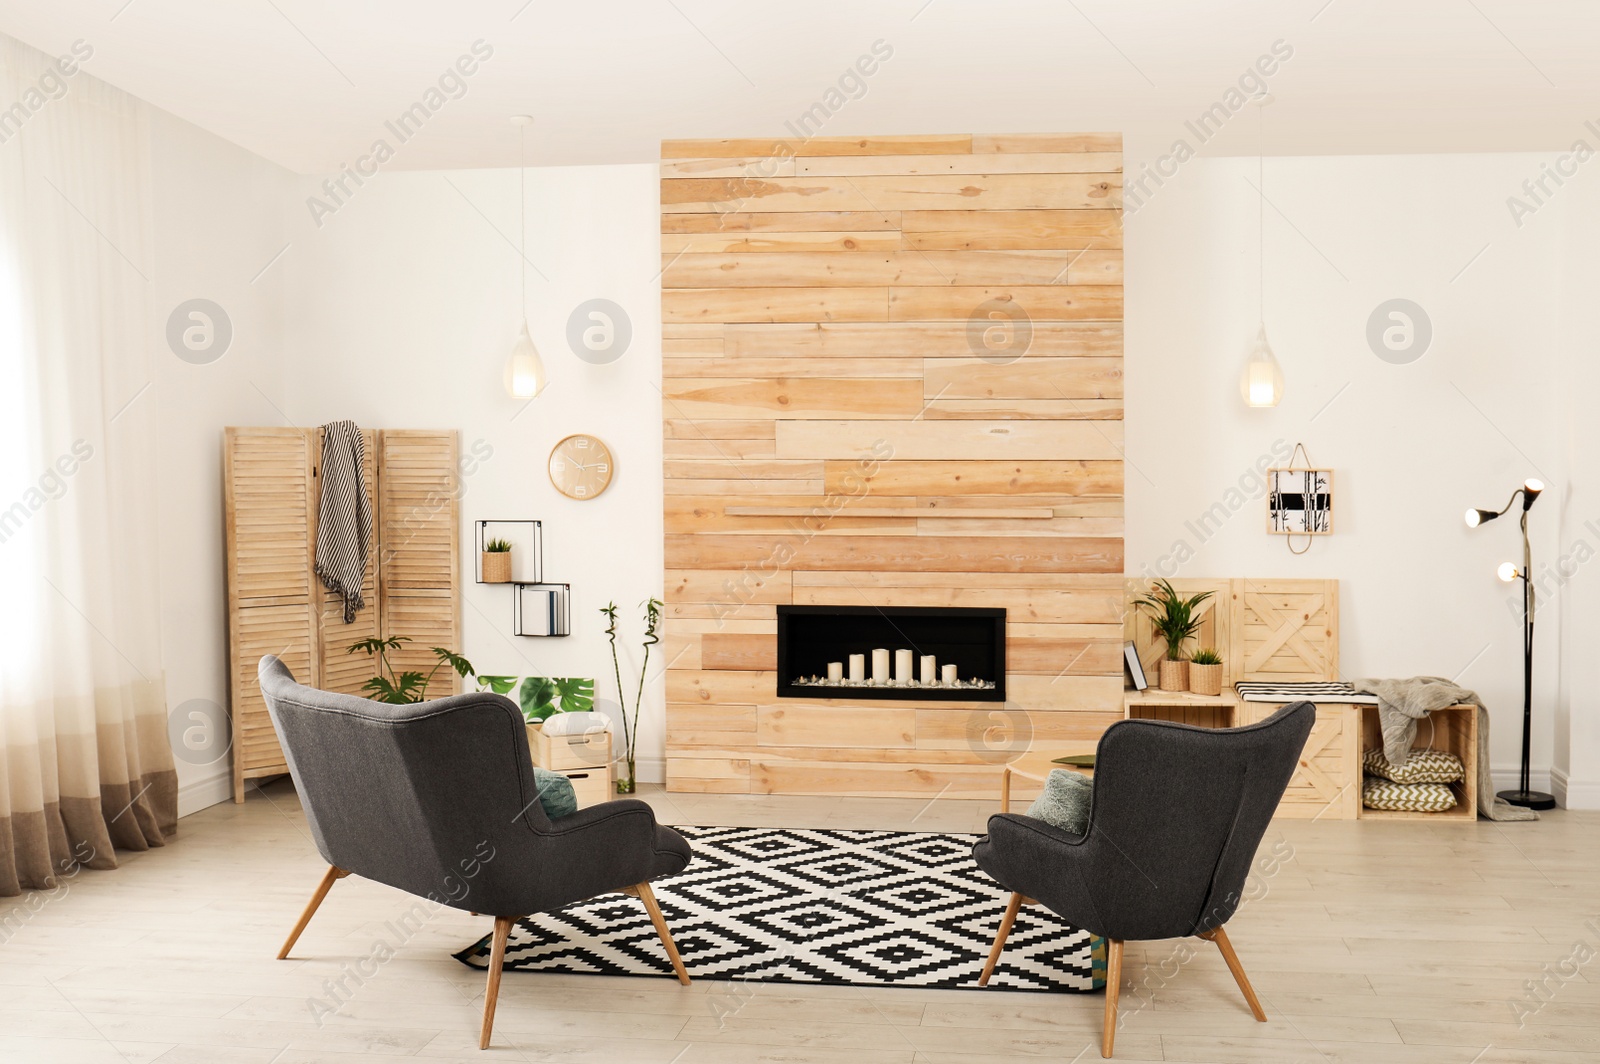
column 1401, row 703
column 344, row 527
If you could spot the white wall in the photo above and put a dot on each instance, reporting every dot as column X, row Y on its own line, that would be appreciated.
column 217, row 223
column 404, row 308
column 1578, row 706
column 399, row 309
column 1412, row 446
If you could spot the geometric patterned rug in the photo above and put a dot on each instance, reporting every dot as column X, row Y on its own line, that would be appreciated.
column 778, row 905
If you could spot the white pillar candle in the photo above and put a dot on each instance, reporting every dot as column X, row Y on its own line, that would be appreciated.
column 858, row 668
column 948, row 674
column 835, row 671
column 902, row 667
column 880, row 666
column 930, row 670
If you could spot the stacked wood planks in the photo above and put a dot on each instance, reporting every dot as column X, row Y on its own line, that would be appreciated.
column 892, row 375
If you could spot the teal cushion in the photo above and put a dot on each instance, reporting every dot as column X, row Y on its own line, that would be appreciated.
column 556, row 796
column 1065, row 801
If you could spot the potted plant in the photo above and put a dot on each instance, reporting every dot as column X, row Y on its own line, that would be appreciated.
column 1175, row 620
column 497, row 562
column 630, row 724
column 1205, row 672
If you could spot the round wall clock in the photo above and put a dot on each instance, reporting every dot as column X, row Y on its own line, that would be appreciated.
column 581, row 466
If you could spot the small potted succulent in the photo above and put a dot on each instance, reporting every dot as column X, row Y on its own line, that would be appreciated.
column 1205, row 672
column 497, row 562
column 1176, row 621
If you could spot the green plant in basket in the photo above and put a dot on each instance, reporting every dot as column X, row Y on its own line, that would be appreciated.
column 497, row 546
column 1172, row 615
column 1205, row 656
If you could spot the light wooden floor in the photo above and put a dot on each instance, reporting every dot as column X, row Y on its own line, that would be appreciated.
column 1371, row 943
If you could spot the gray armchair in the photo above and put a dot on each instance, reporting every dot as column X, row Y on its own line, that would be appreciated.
column 1177, row 815
column 438, row 799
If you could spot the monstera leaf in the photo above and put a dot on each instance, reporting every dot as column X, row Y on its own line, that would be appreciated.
column 500, row 685
column 536, row 696
column 542, row 696
column 577, row 695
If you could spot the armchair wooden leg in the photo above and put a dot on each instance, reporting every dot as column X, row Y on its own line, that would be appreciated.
column 643, row 892
column 497, row 960
column 1000, row 939
column 1220, row 937
column 1108, row 1036
column 329, row 878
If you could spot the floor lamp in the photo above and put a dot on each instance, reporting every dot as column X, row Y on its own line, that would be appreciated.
column 1524, row 795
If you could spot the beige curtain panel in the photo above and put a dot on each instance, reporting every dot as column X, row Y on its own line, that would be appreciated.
column 85, row 764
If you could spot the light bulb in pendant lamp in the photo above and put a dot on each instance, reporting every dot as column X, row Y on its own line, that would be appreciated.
column 1262, row 381
column 525, row 376
column 1508, row 571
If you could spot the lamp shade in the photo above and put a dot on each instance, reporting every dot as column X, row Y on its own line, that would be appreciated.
column 525, row 376
column 1530, row 491
column 1262, row 381
column 1476, row 517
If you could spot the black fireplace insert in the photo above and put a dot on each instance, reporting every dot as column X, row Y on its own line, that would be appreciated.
column 971, row 639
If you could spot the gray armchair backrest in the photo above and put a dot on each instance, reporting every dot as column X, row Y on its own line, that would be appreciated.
column 1178, row 813
column 435, row 798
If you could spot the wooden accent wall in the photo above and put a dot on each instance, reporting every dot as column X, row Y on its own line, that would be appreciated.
column 846, row 423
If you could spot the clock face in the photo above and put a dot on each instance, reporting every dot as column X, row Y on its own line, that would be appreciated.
column 581, row 467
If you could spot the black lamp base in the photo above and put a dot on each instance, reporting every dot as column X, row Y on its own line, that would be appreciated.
column 1529, row 799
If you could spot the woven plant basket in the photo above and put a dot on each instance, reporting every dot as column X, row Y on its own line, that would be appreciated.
column 1205, row 679
column 1174, row 675
column 497, row 567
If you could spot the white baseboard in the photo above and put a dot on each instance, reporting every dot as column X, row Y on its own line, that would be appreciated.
column 1574, row 794
column 203, row 794
column 650, row 770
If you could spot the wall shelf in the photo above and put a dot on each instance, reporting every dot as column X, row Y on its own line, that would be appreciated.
column 538, row 609
column 527, row 548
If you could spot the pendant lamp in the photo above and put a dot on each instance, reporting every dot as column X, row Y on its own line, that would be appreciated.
column 1261, row 384
column 525, row 375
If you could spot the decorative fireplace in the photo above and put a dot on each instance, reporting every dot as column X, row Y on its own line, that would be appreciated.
column 912, row 653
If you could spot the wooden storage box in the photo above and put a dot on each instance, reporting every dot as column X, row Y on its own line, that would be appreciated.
column 561, row 752
column 583, row 759
column 1326, row 784
column 1453, row 729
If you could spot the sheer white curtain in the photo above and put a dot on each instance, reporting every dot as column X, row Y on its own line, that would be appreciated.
column 85, row 766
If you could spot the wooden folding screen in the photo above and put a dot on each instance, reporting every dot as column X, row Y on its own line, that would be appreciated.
column 276, row 603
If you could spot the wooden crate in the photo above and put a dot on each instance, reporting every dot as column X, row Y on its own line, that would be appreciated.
column 1284, row 631
column 1202, row 711
column 583, row 759
column 1453, row 729
column 1215, row 625
column 560, row 752
column 1326, row 784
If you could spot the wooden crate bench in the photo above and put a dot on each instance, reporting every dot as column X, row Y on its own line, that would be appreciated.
column 1454, row 730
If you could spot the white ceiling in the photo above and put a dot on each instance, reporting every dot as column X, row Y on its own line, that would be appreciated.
column 310, row 83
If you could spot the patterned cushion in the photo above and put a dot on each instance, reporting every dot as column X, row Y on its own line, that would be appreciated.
column 1423, row 766
column 1379, row 793
column 556, row 795
column 1065, row 801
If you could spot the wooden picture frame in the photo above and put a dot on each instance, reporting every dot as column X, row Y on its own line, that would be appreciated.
column 1299, row 501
